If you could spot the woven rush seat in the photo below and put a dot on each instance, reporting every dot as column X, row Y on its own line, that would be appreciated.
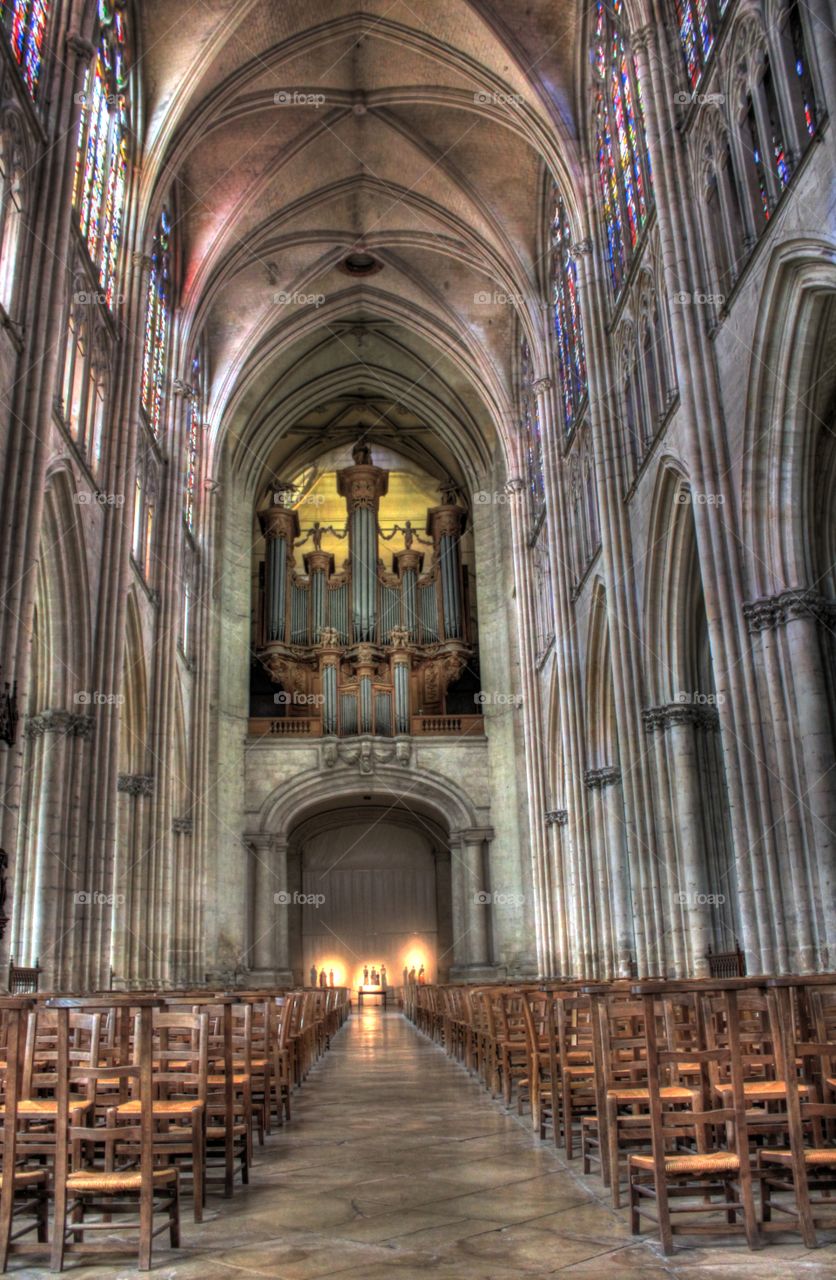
column 27, row 1177
column 44, row 1106
column 763, row 1088
column 127, row 1180
column 670, row 1092
column 216, row 1131
column 162, row 1107
column 812, row 1155
column 709, row 1162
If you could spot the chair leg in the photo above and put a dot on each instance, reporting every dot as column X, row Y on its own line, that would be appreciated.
column 612, row 1141
column 174, row 1215
column 59, row 1227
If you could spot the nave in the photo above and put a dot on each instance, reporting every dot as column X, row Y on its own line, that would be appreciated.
column 397, row 1164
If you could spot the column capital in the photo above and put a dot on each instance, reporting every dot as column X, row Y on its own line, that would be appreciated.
column 59, row 721
column 557, row 817
column 701, row 715
column 78, row 44
column 514, row 484
column 798, row 602
column 264, row 842
column 605, row 777
column 182, row 826
column 642, row 38
column 135, row 784
column 541, row 385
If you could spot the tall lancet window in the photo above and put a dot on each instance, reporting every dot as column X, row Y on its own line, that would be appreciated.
column 101, row 169
column 698, row 21
column 155, row 346
column 620, row 143
column 193, row 431
column 25, row 22
column 568, row 327
column 532, row 436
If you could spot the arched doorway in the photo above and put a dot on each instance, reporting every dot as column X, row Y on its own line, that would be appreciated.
column 402, row 861
column 374, row 892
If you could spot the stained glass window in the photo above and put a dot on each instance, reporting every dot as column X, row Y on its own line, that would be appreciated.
column 25, row 22
column 192, row 448
column 623, row 160
column 804, row 81
column 697, row 29
column 568, row 327
column 101, row 167
column 533, row 438
column 154, row 350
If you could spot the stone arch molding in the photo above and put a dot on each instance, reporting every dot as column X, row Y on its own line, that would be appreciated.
column 388, row 782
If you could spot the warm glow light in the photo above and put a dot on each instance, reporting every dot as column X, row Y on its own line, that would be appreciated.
column 330, row 963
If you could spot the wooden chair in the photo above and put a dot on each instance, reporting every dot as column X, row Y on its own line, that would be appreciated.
column 804, row 1171
column 541, row 1083
column 672, row 1183
column 92, row 1172
column 24, row 1197
column 179, row 1053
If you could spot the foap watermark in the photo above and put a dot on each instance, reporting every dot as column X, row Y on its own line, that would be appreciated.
column 693, row 698
column 295, row 98
column 284, row 898
column 489, row 698
column 90, row 298
column 699, row 899
column 686, row 299
column 684, row 99
column 94, row 898
column 686, row 496
column 99, row 499
column 498, row 497
column 487, row 98
column 311, row 500
column 86, row 698
column 297, row 299
column 484, row 899
column 284, row 699
column 497, row 298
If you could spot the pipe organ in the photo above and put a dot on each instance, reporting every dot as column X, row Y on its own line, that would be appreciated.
column 364, row 648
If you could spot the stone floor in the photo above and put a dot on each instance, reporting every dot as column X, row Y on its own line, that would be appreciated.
column 398, row 1165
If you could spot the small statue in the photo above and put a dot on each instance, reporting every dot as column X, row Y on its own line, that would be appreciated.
column 408, row 534
column 330, row 977
column 405, row 976
column 313, row 975
column 322, row 978
column 383, row 975
column 316, row 534
column 421, row 978
column 412, row 975
column 365, row 975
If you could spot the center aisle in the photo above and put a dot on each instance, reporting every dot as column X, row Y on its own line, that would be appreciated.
column 397, row 1164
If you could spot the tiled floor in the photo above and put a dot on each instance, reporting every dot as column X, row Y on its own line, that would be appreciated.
column 398, row 1165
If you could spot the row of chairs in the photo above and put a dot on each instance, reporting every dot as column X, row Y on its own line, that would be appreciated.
column 116, row 1103
column 695, row 1095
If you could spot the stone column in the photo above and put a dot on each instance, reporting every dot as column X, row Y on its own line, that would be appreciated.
column 57, row 894
column 617, row 916
column 270, row 904
column 134, row 957
column 477, row 899
column 182, row 967
column 556, row 823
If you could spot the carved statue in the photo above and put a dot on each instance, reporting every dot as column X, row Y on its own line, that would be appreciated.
column 383, row 975
column 365, row 975
column 312, row 975
column 322, row 978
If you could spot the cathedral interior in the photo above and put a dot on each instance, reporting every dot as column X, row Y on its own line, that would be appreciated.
column 417, row 615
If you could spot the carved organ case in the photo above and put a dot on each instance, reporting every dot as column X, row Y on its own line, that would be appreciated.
column 365, row 647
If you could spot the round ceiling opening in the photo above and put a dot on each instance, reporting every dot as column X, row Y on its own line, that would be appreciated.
column 361, row 263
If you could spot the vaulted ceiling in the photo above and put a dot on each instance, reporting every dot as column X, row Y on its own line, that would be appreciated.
column 297, row 136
